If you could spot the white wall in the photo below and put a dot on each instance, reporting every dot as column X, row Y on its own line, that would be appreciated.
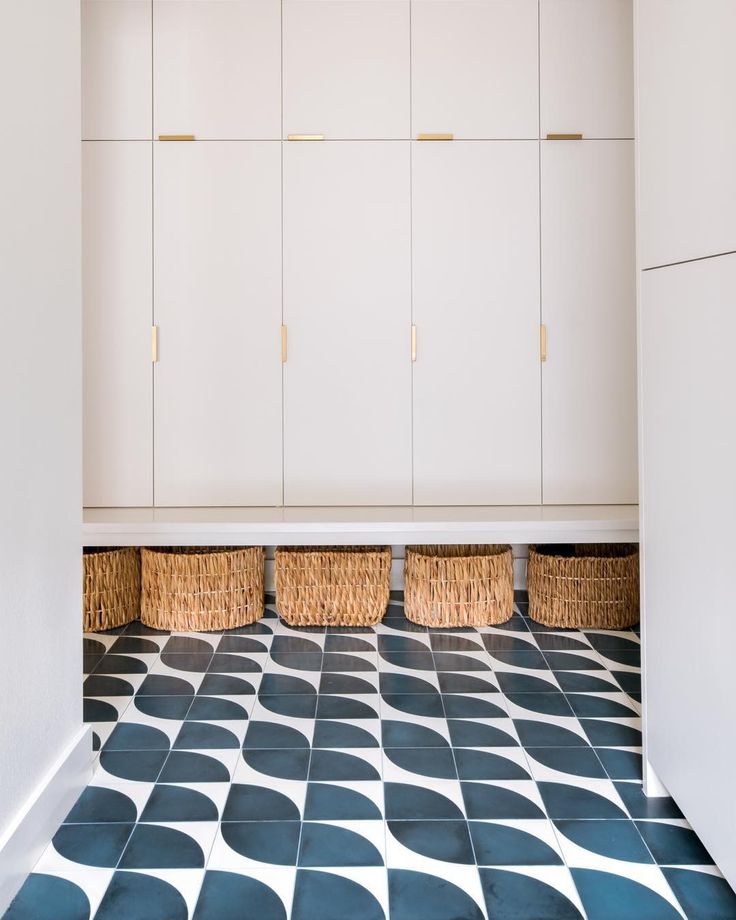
column 40, row 405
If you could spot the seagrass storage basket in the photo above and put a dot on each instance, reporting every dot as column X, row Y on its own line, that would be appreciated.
column 332, row 585
column 593, row 586
column 111, row 587
column 201, row 588
column 458, row 585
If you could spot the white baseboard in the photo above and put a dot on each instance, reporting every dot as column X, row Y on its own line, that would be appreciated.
column 653, row 785
column 29, row 834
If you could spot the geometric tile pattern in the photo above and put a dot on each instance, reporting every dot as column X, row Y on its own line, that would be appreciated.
column 270, row 773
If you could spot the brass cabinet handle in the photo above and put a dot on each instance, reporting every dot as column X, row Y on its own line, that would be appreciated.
column 413, row 343
column 154, row 344
column 176, row 137
column 284, row 345
column 543, row 343
column 564, row 137
column 435, row 137
column 305, row 137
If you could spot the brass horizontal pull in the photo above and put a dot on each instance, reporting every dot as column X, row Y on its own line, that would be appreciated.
column 564, row 137
column 435, row 137
column 176, row 137
column 305, row 137
column 154, row 344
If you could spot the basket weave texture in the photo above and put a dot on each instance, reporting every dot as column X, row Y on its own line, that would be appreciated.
column 111, row 587
column 197, row 588
column 593, row 586
column 458, row 585
column 333, row 586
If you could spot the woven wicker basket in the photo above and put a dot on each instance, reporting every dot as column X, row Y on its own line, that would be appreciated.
column 458, row 585
column 111, row 587
column 197, row 588
column 333, row 585
column 594, row 586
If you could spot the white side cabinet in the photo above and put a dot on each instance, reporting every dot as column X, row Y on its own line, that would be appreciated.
column 476, row 309
column 117, row 252
column 216, row 68
column 218, row 308
column 116, row 69
column 589, row 308
column 346, row 68
column 347, row 303
column 587, row 68
column 475, row 68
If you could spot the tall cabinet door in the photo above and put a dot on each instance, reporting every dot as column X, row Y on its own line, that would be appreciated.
column 117, row 252
column 475, row 68
column 346, row 68
column 116, row 69
column 589, row 309
column 476, row 309
column 217, row 68
column 218, row 308
column 347, row 381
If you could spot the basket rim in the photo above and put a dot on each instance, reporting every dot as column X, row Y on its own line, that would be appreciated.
column 179, row 551
column 332, row 550
column 440, row 554
column 540, row 550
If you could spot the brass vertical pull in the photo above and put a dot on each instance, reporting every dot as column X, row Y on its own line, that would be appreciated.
column 413, row 343
column 154, row 344
column 284, row 349
column 542, row 343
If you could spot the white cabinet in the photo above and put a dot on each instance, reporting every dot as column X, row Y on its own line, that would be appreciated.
column 117, row 247
column 347, row 381
column 475, row 68
column 346, row 68
column 587, row 68
column 589, row 308
column 476, row 308
column 116, row 69
column 687, row 137
column 217, row 68
column 218, row 308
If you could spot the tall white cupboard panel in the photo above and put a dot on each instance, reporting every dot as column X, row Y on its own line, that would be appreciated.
column 117, row 251
column 217, row 68
column 476, row 308
column 687, row 135
column 346, row 68
column 347, row 381
column 116, row 69
column 688, row 327
column 587, row 67
column 218, row 308
column 475, row 68
column 589, row 308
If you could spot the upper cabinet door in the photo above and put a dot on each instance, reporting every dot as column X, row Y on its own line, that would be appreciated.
column 589, row 307
column 346, row 68
column 476, row 308
column 687, row 130
column 475, row 68
column 217, row 68
column 117, row 278
column 116, row 69
column 217, row 296
column 347, row 305
column 587, row 68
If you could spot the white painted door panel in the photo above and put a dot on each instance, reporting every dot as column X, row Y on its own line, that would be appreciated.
column 116, row 69
column 587, row 68
column 218, row 308
column 476, row 307
column 475, row 68
column 589, row 308
column 117, row 253
column 347, row 382
column 688, row 424
column 217, row 68
column 346, row 68
column 687, row 133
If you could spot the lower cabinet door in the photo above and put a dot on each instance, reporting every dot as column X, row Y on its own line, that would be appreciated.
column 217, row 296
column 476, row 310
column 116, row 229
column 347, row 381
column 589, row 308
